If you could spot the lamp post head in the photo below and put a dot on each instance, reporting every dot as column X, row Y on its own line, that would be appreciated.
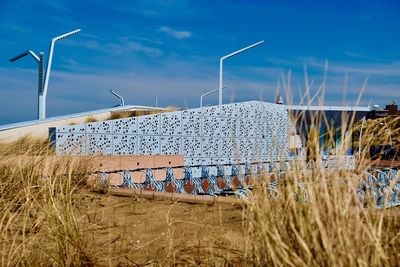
column 241, row 50
column 28, row 52
column 19, row 56
column 118, row 96
column 66, row 35
column 221, row 60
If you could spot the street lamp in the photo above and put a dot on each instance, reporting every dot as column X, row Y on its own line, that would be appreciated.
column 29, row 52
column 42, row 98
column 120, row 97
column 206, row 94
column 39, row 60
column 221, row 61
column 42, row 88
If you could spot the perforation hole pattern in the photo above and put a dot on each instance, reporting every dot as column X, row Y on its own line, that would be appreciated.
column 231, row 133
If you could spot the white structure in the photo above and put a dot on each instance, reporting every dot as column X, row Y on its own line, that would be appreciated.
column 245, row 132
column 239, row 133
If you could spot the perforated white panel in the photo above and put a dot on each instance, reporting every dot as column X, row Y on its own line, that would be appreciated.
column 125, row 144
column 102, row 127
column 99, row 144
column 149, row 145
column 78, row 128
column 171, row 123
column 171, row 145
column 125, row 126
column 233, row 133
column 70, row 143
column 191, row 125
column 149, row 124
column 191, row 147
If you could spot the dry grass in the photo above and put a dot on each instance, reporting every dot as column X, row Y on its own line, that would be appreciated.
column 135, row 113
column 38, row 225
column 128, row 114
column 386, row 131
column 50, row 217
column 332, row 230
column 90, row 119
column 26, row 146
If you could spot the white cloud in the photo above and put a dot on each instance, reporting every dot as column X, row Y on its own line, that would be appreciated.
column 366, row 68
column 374, row 66
column 175, row 33
column 138, row 47
column 121, row 46
column 365, row 57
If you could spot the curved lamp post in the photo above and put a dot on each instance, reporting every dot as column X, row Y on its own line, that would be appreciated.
column 43, row 86
column 121, row 99
column 221, row 61
column 206, row 94
column 42, row 97
column 39, row 60
column 29, row 52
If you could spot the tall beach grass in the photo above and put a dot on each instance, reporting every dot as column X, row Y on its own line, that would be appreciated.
column 320, row 222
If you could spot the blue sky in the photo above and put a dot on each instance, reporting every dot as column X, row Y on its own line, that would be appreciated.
column 172, row 48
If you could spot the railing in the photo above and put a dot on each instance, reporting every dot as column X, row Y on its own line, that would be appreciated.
column 213, row 179
column 379, row 188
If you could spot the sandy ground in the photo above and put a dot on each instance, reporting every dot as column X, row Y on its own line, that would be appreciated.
column 132, row 231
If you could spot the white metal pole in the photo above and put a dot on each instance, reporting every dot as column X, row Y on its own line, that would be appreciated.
column 220, row 81
column 42, row 97
column 156, row 98
column 42, row 102
column 221, row 62
column 121, row 99
column 206, row 94
column 40, row 82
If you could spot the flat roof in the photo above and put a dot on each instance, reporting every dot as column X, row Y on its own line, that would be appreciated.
column 328, row 108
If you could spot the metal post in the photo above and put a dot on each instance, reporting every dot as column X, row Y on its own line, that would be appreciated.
column 42, row 101
column 42, row 97
column 156, row 97
column 220, row 81
column 121, row 99
column 39, row 59
column 206, row 94
column 40, row 81
column 221, row 61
